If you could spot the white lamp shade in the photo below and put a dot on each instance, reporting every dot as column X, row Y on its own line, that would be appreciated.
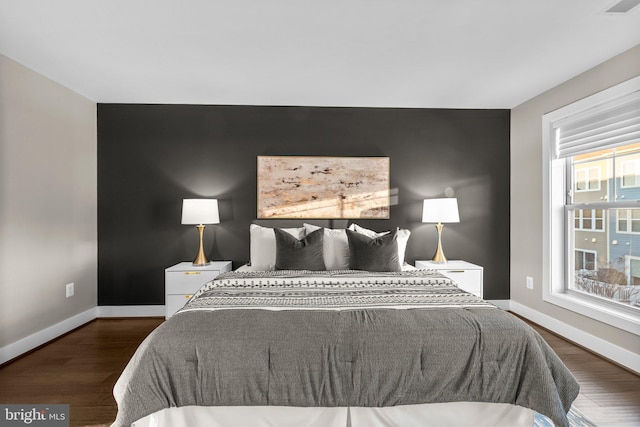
column 440, row 210
column 200, row 211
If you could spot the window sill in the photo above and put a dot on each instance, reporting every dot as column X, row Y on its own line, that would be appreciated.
column 621, row 319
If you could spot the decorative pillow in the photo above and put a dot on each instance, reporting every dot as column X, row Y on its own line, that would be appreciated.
column 403, row 238
column 335, row 247
column 299, row 254
column 263, row 245
column 374, row 254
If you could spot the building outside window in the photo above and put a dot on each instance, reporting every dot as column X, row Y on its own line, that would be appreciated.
column 592, row 206
column 600, row 268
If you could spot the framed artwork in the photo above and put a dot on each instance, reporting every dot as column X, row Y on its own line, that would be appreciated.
column 323, row 187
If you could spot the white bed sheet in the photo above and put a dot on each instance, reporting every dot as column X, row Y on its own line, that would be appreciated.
column 455, row 414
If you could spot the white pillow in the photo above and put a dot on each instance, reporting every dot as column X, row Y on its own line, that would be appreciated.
column 263, row 246
column 335, row 247
column 403, row 238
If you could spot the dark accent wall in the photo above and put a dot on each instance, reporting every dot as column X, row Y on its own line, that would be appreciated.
column 150, row 157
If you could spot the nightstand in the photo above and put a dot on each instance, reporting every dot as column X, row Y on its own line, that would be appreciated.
column 466, row 275
column 182, row 280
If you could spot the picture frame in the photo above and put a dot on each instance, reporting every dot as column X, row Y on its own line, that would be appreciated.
column 319, row 187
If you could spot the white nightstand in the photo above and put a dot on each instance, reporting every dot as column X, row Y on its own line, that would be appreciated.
column 182, row 280
column 466, row 275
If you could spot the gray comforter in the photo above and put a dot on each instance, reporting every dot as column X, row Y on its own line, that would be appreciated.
column 241, row 342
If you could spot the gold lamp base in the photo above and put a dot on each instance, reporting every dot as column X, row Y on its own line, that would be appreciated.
column 201, row 258
column 439, row 255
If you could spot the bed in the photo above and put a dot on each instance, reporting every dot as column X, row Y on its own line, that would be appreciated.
column 341, row 347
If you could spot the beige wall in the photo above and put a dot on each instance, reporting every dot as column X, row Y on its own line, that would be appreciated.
column 526, row 191
column 48, row 202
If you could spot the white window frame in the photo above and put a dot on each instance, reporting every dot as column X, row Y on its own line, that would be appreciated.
column 627, row 266
column 587, row 181
column 556, row 239
column 636, row 168
column 628, row 220
column 594, row 220
column 587, row 251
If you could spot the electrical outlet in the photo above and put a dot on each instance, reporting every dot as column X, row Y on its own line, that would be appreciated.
column 69, row 289
column 529, row 282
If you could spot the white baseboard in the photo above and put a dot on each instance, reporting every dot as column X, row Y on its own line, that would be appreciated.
column 131, row 310
column 26, row 344
column 617, row 354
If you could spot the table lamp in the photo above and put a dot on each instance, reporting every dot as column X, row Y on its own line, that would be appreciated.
column 439, row 211
column 200, row 212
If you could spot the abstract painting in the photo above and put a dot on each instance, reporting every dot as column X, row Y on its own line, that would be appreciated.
column 323, row 187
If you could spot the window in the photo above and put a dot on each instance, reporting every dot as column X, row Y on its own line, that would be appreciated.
column 588, row 179
column 630, row 172
column 591, row 216
column 586, row 260
column 589, row 219
column 598, row 270
column 633, row 269
column 628, row 221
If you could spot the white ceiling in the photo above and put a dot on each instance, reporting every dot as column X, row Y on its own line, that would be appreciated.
column 377, row 53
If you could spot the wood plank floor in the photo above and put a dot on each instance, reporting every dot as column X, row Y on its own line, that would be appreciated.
column 609, row 395
column 81, row 368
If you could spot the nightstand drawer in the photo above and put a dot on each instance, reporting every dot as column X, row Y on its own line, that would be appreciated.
column 469, row 280
column 467, row 276
column 187, row 282
column 176, row 302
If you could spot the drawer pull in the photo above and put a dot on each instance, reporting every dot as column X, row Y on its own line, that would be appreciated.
column 188, row 296
column 191, row 272
column 455, row 271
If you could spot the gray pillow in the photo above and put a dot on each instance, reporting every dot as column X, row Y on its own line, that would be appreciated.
column 303, row 254
column 373, row 254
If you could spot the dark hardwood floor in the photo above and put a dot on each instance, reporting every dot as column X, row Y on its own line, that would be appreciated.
column 81, row 368
column 609, row 395
column 78, row 369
